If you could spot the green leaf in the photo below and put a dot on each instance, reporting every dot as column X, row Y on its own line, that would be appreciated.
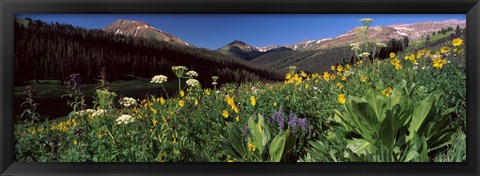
column 282, row 143
column 359, row 146
column 421, row 113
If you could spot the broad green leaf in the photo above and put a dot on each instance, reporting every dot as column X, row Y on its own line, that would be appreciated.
column 420, row 113
column 282, row 143
column 359, row 146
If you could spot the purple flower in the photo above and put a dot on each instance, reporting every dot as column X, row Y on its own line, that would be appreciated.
column 296, row 123
column 74, row 82
column 278, row 118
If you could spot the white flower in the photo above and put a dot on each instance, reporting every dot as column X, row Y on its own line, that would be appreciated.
column 366, row 20
column 193, row 83
column 99, row 112
column 364, row 54
column 125, row 119
column 127, row 102
column 159, row 79
column 380, row 44
column 192, row 73
column 85, row 112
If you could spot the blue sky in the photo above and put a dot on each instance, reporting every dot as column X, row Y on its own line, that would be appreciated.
column 216, row 30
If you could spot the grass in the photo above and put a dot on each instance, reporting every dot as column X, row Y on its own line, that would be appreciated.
column 52, row 106
column 433, row 38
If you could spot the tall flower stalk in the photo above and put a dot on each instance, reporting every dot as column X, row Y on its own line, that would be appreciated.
column 179, row 71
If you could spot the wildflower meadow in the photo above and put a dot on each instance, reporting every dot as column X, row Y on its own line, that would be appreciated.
column 408, row 107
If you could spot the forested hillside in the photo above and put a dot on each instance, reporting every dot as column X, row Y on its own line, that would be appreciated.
column 55, row 51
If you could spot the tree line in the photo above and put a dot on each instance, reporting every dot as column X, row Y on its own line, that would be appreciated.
column 54, row 51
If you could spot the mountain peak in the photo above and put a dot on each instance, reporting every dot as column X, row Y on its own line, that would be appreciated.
column 238, row 42
column 142, row 29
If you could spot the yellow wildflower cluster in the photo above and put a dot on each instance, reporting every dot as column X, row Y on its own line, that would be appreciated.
column 146, row 103
column 422, row 53
column 230, row 102
column 297, row 79
column 64, row 126
column 411, row 58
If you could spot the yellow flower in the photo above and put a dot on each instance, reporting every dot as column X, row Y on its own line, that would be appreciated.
column 342, row 99
column 363, row 78
column 162, row 101
column 457, row 42
column 174, row 139
column 237, row 118
column 343, row 78
column 182, row 93
column 155, row 122
column 387, row 91
column 332, row 67
column 407, row 57
column 181, row 103
column 349, row 66
column 251, row 147
column 392, row 55
column 230, row 161
column 232, row 104
column 359, row 62
column 340, row 85
column 165, row 120
column 207, row 91
column 339, row 68
column 444, row 50
column 253, row 102
column 303, row 74
column 438, row 63
column 275, row 104
column 225, row 113
column 396, row 62
column 260, row 128
column 75, row 142
column 288, row 76
column 154, row 111
column 196, row 102
column 306, row 86
column 326, row 76
column 332, row 77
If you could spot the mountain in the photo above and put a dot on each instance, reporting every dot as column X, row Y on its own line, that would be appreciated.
column 380, row 34
column 319, row 55
column 142, row 29
column 241, row 50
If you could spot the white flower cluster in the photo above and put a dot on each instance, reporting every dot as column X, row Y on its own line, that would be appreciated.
column 364, row 54
column 85, row 112
column 159, row 79
column 192, row 73
column 127, row 102
column 380, row 44
column 125, row 119
column 193, row 83
column 99, row 112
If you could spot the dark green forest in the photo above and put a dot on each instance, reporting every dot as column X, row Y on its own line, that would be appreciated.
column 55, row 51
